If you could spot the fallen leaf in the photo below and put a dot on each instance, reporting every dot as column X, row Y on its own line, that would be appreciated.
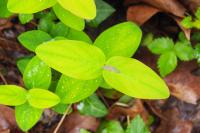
column 174, row 124
column 141, row 13
column 192, row 5
column 170, row 6
column 7, row 119
column 137, row 107
column 183, row 84
column 74, row 122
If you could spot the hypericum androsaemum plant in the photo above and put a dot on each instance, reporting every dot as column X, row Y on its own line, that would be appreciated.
column 170, row 52
column 84, row 66
column 68, row 67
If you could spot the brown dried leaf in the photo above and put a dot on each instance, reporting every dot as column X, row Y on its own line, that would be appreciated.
column 174, row 124
column 192, row 5
column 7, row 119
column 74, row 122
column 183, row 84
column 116, row 111
column 170, row 6
column 141, row 13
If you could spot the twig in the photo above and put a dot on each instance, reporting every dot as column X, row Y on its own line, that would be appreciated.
column 128, row 120
column 3, row 79
column 62, row 119
column 102, row 97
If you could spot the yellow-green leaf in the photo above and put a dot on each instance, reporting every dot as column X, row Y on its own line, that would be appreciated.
column 37, row 74
column 73, row 90
column 133, row 78
column 40, row 98
column 120, row 40
column 29, row 6
column 82, row 8
column 27, row 116
column 12, row 95
column 68, row 18
column 75, row 59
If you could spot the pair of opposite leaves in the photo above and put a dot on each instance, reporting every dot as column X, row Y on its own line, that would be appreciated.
column 108, row 57
column 83, row 8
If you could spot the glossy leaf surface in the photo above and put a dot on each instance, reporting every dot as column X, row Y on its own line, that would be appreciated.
column 75, row 59
column 135, row 79
column 120, row 40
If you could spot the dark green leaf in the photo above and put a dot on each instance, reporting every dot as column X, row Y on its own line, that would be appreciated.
column 196, row 36
column 104, row 10
column 60, row 108
column 59, row 29
column 120, row 40
column 46, row 24
column 161, row 45
column 12, row 95
column 167, row 63
column 197, row 52
column 32, row 39
column 27, row 116
column 72, row 90
column 22, row 63
column 137, row 125
column 92, row 106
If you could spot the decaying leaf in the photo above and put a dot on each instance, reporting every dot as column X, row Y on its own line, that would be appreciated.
column 174, row 124
column 183, row 84
column 7, row 119
column 141, row 13
column 137, row 108
column 170, row 6
column 192, row 5
column 74, row 122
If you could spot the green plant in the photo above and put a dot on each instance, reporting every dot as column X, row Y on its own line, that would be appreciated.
column 83, row 66
column 68, row 67
column 137, row 125
column 169, row 52
column 192, row 22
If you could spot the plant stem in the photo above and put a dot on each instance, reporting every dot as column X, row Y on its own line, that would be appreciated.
column 62, row 119
column 128, row 120
column 3, row 79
